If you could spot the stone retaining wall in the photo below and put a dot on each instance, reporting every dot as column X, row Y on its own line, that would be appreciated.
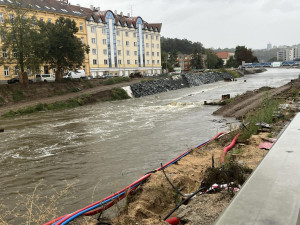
column 176, row 82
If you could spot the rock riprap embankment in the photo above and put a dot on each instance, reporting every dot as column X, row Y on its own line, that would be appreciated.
column 152, row 87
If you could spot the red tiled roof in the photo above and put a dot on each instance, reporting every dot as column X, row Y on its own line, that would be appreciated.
column 223, row 55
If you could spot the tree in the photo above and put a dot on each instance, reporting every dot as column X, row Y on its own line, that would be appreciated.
column 244, row 54
column 196, row 61
column 61, row 49
column 213, row 61
column 18, row 35
column 231, row 62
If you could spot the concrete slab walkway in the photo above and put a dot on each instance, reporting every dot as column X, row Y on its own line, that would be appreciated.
column 271, row 196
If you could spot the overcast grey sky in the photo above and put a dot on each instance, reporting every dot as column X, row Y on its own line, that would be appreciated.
column 217, row 23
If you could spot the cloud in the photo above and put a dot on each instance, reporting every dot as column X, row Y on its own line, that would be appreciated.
column 218, row 23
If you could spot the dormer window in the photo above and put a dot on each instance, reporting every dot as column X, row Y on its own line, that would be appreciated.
column 38, row 6
column 64, row 10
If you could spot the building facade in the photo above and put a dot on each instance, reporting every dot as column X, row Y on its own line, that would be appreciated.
column 119, row 45
column 225, row 56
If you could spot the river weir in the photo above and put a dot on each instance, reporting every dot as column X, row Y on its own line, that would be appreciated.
column 103, row 147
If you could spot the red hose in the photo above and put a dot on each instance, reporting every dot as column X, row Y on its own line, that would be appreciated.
column 227, row 148
column 173, row 221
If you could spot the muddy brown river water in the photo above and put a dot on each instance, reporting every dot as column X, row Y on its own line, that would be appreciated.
column 105, row 146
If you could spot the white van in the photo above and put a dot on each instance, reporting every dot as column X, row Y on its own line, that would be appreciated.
column 44, row 78
column 75, row 74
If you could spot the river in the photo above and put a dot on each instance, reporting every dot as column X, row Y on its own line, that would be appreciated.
column 103, row 147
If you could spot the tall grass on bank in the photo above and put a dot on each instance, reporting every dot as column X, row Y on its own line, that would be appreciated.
column 35, row 208
column 119, row 94
column 264, row 113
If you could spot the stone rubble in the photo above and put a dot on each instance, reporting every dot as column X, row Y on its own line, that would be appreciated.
column 176, row 82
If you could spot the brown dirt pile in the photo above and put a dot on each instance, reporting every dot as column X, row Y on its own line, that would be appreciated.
column 253, row 99
column 156, row 198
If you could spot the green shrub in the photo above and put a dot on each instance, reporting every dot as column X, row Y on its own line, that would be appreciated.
column 18, row 96
column 40, row 107
column 119, row 94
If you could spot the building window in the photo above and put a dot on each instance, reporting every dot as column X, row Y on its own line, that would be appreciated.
column 127, row 43
column 95, row 62
column 105, row 51
column 147, row 53
column 135, row 43
column 4, row 53
column 135, row 62
column 152, row 37
column 128, row 62
column 157, row 46
column 105, row 62
column 152, row 53
column 6, row 71
column 148, row 62
column 82, row 40
column 50, row 20
column 152, row 45
column 157, row 53
column 119, row 52
column 1, row 18
column 146, row 36
column 93, row 29
column 15, row 54
column 147, row 45
column 134, row 34
column 157, row 61
column 135, row 53
column 94, row 51
column 157, row 37
column 126, row 34
column 16, row 70
column 93, row 40
column 83, row 67
column 118, row 33
column 128, row 53
column 11, row 17
column 119, row 61
column 153, row 61
column 41, row 19
column 104, row 41
column 81, row 26
column 118, row 42
column 103, row 30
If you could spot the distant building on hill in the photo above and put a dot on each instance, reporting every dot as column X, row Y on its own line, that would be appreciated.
column 224, row 56
column 269, row 46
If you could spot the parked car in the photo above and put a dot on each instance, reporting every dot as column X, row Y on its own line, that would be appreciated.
column 44, row 78
column 13, row 80
column 75, row 74
column 17, row 80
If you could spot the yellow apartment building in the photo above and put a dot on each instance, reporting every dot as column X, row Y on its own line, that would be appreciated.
column 46, row 10
column 121, row 45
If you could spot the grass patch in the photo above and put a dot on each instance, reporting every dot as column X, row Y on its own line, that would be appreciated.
column 116, row 80
column 233, row 73
column 2, row 101
column 18, row 96
column 71, row 103
column 88, row 83
column 119, row 94
column 264, row 113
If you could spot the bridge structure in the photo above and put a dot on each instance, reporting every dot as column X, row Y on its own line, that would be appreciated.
column 271, row 64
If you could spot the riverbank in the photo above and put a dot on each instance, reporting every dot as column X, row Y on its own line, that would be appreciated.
column 153, row 200
column 15, row 96
column 19, row 100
